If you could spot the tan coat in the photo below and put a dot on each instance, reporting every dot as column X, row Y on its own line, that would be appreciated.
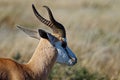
column 37, row 68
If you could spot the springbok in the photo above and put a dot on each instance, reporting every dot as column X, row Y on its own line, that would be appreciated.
column 51, row 48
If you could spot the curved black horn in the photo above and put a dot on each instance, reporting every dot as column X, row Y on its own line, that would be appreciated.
column 53, row 24
column 50, row 14
column 58, row 28
column 43, row 20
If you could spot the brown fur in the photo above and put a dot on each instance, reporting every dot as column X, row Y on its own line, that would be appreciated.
column 37, row 68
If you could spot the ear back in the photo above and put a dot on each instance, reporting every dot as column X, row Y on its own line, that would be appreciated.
column 47, row 36
column 31, row 33
column 43, row 34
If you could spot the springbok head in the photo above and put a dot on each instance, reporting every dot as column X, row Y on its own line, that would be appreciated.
column 57, row 38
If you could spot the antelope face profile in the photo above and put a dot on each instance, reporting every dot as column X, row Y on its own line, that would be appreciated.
column 57, row 39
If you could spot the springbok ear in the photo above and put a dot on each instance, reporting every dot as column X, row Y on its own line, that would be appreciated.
column 31, row 33
column 46, row 35
column 42, row 33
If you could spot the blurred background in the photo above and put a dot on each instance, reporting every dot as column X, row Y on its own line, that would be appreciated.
column 93, row 33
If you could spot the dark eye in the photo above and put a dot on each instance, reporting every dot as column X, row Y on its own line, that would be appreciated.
column 64, row 44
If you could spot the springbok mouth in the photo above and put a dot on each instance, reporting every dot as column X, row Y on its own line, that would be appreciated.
column 72, row 61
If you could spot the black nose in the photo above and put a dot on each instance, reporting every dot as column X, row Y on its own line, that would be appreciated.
column 74, row 60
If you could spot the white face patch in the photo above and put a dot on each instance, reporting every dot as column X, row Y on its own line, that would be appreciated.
column 65, row 55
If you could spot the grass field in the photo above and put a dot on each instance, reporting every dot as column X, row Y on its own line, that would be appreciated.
column 93, row 32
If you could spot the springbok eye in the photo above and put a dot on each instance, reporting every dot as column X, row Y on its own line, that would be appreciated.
column 64, row 44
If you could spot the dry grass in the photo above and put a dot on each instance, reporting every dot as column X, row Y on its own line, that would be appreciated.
column 93, row 31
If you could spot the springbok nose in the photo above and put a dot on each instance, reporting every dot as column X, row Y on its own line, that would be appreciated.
column 74, row 61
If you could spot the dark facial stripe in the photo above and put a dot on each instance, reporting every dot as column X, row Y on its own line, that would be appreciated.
column 64, row 44
column 68, row 53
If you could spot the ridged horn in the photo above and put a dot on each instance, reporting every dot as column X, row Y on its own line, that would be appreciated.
column 53, row 24
column 43, row 20
column 50, row 14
